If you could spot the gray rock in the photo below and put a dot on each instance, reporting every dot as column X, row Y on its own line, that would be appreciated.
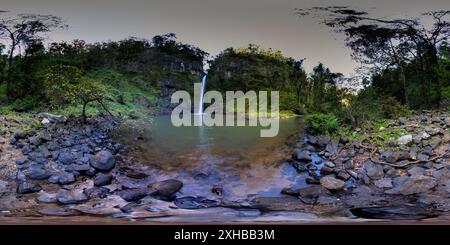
column 47, row 197
column 103, row 179
column 332, row 183
column 66, row 158
column 390, row 156
column 166, row 187
column 96, row 192
column 104, row 161
column 133, row 194
column 303, row 155
column 39, row 174
column 18, row 135
column 63, row 178
column 343, row 175
column 414, row 185
column 58, row 211
column 52, row 118
column 384, row 183
column 71, row 197
column 28, row 187
column 3, row 186
column 312, row 181
column 373, row 171
column 405, row 139
column 326, row 170
column 416, row 171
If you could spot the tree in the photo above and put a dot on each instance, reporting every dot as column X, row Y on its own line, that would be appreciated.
column 67, row 84
column 26, row 29
column 391, row 41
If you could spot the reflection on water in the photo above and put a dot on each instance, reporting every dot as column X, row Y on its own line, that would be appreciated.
column 236, row 159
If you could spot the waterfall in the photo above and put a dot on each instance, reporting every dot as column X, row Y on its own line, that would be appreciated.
column 202, row 93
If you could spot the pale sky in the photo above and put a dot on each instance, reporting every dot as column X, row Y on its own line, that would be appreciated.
column 214, row 25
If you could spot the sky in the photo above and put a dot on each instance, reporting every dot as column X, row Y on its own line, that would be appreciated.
column 214, row 25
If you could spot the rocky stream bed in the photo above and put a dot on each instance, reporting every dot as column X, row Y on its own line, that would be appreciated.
column 67, row 168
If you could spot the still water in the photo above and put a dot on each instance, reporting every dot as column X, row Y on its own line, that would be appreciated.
column 235, row 159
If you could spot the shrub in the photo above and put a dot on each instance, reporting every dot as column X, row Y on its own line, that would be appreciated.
column 320, row 123
column 25, row 104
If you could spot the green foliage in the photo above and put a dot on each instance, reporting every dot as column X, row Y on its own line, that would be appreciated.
column 26, row 104
column 320, row 123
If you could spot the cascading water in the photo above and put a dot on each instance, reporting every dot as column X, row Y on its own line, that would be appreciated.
column 202, row 93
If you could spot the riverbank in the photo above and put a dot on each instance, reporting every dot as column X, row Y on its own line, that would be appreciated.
column 62, row 167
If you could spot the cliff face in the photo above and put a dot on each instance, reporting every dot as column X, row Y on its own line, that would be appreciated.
column 231, row 71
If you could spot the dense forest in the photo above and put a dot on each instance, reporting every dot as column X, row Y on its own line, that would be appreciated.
column 409, row 68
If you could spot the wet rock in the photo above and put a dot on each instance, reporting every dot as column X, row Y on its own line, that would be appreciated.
column 310, row 195
column 384, row 183
column 312, row 181
column 400, row 212
column 287, row 203
column 329, row 164
column 303, row 155
column 58, row 211
column 195, row 202
column 103, row 179
column 71, row 197
column 343, row 175
column 372, row 170
column 217, row 190
column 326, row 170
column 166, row 187
column 28, row 187
column 133, row 194
column 133, row 173
column 332, row 183
column 413, row 185
column 405, row 139
column 104, row 161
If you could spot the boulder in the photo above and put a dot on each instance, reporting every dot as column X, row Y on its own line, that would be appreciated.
column 38, row 174
column 166, row 187
column 372, row 170
column 28, row 187
column 133, row 194
column 384, row 183
column 50, row 118
column 332, row 183
column 103, row 179
column 413, row 185
column 303, row 155
column 71, row 197
column 45, row 197
column 104, row 161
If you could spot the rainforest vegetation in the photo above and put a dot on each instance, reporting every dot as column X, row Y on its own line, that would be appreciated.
column 407, row 67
